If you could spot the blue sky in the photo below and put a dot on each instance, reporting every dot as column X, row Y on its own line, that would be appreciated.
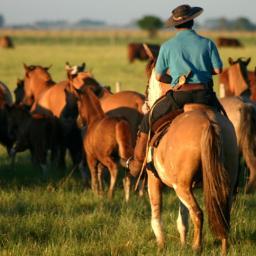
column 117, row 11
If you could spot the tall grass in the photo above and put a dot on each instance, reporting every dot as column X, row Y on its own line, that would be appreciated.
column 47, row 216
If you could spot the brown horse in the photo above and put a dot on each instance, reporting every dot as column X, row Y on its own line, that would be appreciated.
column 228, row 80
column 37, row 81
column 199, row 143
column 241, row 112
column 107, row 140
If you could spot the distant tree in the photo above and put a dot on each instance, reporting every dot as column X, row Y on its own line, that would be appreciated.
column 151, row 24
column 243, row 23
column 1, row 20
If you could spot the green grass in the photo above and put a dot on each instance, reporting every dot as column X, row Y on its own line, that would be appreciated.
column 41, row 216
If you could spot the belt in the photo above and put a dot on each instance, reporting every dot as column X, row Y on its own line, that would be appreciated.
column 189, row 87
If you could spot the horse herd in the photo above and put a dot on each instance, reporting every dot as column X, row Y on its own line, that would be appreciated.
column 99, row 128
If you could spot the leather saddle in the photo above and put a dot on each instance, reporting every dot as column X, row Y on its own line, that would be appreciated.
column 161, row 126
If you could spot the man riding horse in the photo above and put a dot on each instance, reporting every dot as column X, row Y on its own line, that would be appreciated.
column 187, row 63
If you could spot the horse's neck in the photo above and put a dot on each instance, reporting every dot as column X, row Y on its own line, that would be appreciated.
column 105, row 93
column 153, row 90
column 93, row 111
column 41, row 86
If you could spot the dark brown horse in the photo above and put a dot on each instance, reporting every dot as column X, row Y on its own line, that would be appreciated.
column 107, row 140
column 5, row 101
column 198, row 143
column 228, row 42
column 36, row 133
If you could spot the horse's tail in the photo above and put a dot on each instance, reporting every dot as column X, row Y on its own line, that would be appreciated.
column 216, row 183
column 247, row 142
column 124, row 141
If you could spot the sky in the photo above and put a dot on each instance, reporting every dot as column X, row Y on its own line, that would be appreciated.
column 117, row 11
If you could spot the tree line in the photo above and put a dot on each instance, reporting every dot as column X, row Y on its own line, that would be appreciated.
column 149, row 23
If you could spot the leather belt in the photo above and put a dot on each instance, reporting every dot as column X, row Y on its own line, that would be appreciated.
column 189, row 87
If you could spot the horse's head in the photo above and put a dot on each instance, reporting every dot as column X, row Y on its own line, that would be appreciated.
column 74, row 70
column 37, row 78
column 19, row 91
column 238, row 75
column 80, row 80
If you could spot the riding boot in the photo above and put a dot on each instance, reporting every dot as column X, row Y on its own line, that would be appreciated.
column 136, row 163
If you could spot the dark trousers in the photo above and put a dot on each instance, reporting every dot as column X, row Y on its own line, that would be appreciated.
column 174, row 100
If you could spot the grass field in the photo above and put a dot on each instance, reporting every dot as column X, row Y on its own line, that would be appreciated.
column 55, row 216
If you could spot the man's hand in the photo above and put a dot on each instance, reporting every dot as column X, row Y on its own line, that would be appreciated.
column 167, row 79
column 217, row 71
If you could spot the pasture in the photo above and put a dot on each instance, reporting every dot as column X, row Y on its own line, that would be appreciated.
column 57, row 215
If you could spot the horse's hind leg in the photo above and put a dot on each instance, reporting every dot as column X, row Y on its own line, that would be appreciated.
column 187, row 198
column 182, row 222
column 155, row 197
column 92, row 166
column 100, row 177
column 112, row 167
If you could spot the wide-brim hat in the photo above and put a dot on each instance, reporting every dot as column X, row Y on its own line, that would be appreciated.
column 183, row 14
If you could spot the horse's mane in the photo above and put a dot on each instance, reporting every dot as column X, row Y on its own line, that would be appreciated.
column 90, row 99
column 95, row 86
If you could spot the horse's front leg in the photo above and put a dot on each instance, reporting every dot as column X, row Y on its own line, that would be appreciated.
column 155, row 197
column 127, row 186
column 182, row 222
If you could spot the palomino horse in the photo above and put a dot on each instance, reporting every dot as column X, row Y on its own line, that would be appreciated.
column 107, row 140
column 241, row 112
column 199, row 143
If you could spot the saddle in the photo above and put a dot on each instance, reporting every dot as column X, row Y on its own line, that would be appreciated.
column 160, row 127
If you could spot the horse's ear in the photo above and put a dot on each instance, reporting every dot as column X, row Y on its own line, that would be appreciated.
column 247, row 61
column 82, row 67
column 67, row 66
column 230, row 61
column 47, row 68
column 26, row 67
column 148, row 51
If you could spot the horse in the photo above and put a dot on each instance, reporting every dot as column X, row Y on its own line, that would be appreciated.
column 6, row 42
column 241, row 111
column 37, row 80
column 35, row 132
column 126, row 104
column 48, row 98
column 199, row 144
column 5, row 101
column 232, row 42
column 137, row 51
column 227, row 80
column 108, row 140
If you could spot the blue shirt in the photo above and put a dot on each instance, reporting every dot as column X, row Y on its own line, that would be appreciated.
column 186, row 52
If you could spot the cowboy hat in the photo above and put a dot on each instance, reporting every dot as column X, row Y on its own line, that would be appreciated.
column 183, row 14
